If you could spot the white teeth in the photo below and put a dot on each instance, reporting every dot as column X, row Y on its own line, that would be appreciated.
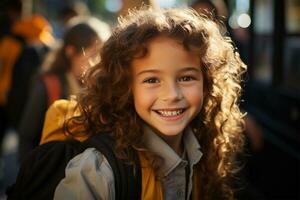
column 166, row 113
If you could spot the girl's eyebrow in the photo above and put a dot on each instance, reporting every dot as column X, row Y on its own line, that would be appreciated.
column 195, row 69
column 148, row 71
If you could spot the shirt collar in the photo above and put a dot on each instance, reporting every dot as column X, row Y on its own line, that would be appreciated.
column 158, row 146
column 192, row 147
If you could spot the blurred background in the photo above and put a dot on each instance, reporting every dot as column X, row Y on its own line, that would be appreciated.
column 265, row 32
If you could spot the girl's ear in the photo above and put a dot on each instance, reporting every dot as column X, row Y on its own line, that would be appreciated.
column 69, row 51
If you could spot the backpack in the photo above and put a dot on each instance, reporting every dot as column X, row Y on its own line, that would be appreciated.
column 44, row 168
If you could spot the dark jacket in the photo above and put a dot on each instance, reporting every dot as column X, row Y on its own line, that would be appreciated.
column 32, row 121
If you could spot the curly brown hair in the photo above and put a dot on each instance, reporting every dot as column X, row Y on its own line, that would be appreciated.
column 106, row 101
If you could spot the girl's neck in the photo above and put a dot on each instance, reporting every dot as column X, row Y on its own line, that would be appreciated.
column 175, row 142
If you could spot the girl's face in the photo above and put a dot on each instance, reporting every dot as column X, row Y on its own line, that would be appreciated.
column 167, row 86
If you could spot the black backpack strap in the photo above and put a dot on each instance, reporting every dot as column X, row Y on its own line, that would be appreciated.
column 135, row 184
column 127, row 177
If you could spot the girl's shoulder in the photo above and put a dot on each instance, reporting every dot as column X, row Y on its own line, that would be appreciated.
column 89, row 168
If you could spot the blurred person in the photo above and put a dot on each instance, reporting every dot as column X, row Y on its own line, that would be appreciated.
column 217, row 9
column 36, row 35
column 60, row 77
column 10, row 12
column 166, row 92
column 23, row 44
column 24, row 41
column 69, row 11
column 205, row 6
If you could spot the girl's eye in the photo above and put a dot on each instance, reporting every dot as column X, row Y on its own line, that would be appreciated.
column 151, row 80
column 186, row 78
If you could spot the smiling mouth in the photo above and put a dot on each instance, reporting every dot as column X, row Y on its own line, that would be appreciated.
column 170, row 113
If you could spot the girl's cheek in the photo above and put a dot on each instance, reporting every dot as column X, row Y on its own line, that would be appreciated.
column 195, row 95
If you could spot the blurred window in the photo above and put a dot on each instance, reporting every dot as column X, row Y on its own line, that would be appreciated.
column 292, row 18
column 291, row 70
column 292, row 63
column 263, row 37
column 262, row 62
column 263, row 16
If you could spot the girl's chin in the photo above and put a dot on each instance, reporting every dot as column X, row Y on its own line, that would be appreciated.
column 168, row 133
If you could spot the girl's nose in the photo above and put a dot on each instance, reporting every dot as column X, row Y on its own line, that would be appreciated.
column 171, row 92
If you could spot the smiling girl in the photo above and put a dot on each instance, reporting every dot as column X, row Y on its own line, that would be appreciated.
column 167, row 88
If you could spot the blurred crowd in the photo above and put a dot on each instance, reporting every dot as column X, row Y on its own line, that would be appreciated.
column 38, row 67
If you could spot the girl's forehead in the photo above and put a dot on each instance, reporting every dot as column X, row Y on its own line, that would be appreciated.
column 164, row 53
column 164, row 37
column 162, row 40
column 163, row 44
